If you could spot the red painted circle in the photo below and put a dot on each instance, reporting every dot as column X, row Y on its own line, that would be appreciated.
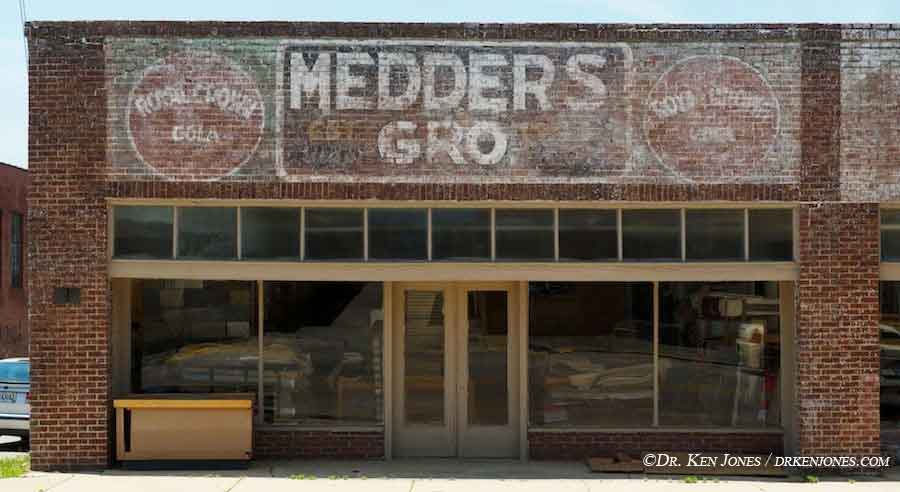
column 712, row 116
column 195, row 115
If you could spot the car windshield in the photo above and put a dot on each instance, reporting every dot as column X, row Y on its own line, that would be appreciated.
column 14, row 372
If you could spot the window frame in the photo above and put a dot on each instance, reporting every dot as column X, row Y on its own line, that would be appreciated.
column 619, row 209
column 785, row 375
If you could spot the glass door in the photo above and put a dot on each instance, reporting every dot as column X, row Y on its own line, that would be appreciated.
column 423, row 377
column 456, row 371
column 488, row 372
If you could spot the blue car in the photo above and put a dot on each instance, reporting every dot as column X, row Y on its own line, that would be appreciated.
column 15, row 409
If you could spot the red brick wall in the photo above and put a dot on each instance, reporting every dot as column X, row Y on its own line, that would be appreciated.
column 13, row 319
column 68, row 248
column 318, row 444
column 837, row 337
column 80, row 154
column 581, row 445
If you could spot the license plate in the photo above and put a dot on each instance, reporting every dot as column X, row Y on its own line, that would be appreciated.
column 7, row 396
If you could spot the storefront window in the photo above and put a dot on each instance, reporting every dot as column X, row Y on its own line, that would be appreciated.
column 719, row 350
column 460, row 234
column 207, row 233
column 398, row 234
column 143, row 232
column 334, row 234
column 771, row 234
column 890, row 363
column 194, row 336
column 525, row 235
column 651, row 235
column 588, row 235
column 322, row 355
column 270, row 233
column 715, row 235
column 591, row 354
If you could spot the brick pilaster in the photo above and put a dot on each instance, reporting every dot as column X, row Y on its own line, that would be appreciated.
column 67, row 227
column 837, row 338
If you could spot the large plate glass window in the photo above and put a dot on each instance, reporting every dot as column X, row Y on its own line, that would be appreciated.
column 651, row 235
column 270, row 233
column 334, row 234
column 322, row 354
column 588, row 235
column 591, row 354
column 524, row 235
column 461, row 234
column 890, row 234
column 771, row 234
column 143, row 232
column 398, row 234
column 719, row 354
column 194, row 336
column 715, row 235
column 889, row 379
column 207, row 233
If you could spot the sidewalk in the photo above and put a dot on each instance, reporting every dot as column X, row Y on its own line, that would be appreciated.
column 414, row 476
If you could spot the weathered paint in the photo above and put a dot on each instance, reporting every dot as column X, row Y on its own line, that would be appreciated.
column 452, row 110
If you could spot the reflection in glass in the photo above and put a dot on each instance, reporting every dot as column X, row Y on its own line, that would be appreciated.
column 524, row 235
column 270, row 233
column 719, row 354
column 398, row 234
column 588, row 235
column 591, row 354
column 772, row 235
column 323, row 353
column 890, row 364
column 716, row 235
column 890, row 234
column 207, row 232
column 461, row 234
column 143, row 232
column 423, row 382
column 651, row 235
column 488, row 358
column 194, row 336
column 334, row 233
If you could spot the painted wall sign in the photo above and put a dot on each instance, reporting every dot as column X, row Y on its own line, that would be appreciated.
column 194, row 112
column 711, row 111
column 458, row 105
column 452, row 110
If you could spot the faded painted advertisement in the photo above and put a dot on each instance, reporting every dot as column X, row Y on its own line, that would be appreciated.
column 302, row 110
column 870, row 111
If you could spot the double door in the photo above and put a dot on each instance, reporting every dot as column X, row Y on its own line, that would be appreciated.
column 456, row 370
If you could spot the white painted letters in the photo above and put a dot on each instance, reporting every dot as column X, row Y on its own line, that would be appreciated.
column 538, row 88
column 430, row 99
column 595, row 87
column 413, row 82
column 480, row 81
column 307, row 82
column 346, row 81
column 395, row 149
column 444, row 137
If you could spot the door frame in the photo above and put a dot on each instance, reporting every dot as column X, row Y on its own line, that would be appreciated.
column 455, row 328
column 513, row 369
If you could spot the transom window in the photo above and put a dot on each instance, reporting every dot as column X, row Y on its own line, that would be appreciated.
column 458, row 234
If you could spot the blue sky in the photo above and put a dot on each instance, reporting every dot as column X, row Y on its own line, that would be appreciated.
column 13, row 78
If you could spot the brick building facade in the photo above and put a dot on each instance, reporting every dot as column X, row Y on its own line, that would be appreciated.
column 621, row 118
column 13, row 319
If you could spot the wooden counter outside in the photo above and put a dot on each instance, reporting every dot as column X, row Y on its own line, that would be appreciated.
column 179, row 427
